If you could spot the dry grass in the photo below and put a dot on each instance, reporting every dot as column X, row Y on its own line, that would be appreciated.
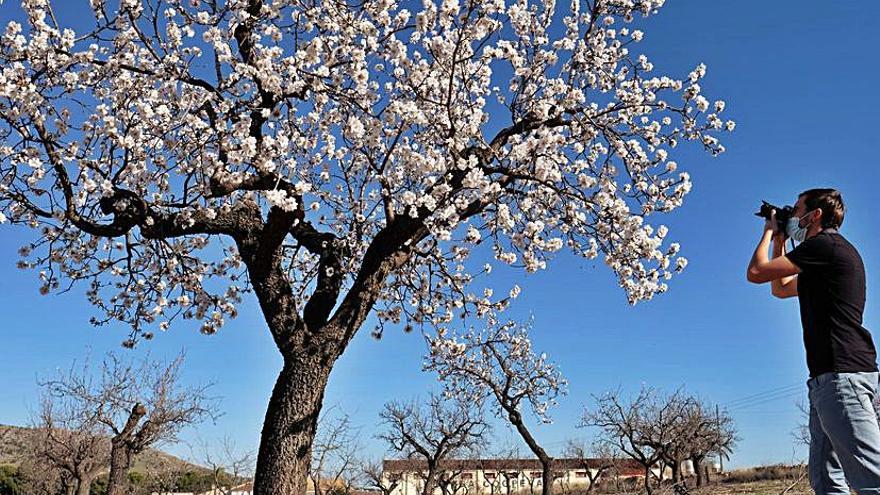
column 765, row 473
column 765, row 480
column 765, row 487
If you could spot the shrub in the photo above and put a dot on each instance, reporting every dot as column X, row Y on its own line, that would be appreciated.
column 763, row 473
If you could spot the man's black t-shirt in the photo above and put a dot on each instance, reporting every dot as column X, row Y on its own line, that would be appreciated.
column 831, row 292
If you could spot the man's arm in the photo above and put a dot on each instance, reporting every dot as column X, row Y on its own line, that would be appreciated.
column 786, row 286
column 761, row 268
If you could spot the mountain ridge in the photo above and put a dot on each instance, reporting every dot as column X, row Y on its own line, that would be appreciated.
column 14, row 441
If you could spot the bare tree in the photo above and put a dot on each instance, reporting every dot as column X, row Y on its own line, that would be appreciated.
column 229, row 465
column 706, row 432
column 663, row 430
column 613, row 456
column 801, row 432
column 336, row 159
column 434, row 431
column 164, row 475
column 376, row 478
column 41, row 476
column 45, row 479
column 629, row 426
column 533, row 480
column 509, row 472
column 138, row 404
column 669, row 430
column 335, row 454
column 70, row 439
column 450, row 480
column 492, row 478
column 498, row 363
column 593, row 459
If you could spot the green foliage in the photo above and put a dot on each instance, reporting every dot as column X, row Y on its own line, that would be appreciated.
column 139, row 483
column 194, row 481
column 99, row 485
column 10, row 480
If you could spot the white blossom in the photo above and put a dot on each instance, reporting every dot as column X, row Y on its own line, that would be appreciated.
column 348, row 122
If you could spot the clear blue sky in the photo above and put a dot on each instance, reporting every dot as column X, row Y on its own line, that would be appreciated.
column 800, row 80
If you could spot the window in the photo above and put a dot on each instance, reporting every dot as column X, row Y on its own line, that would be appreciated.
column 489, row 476
column 581, row 474
column 467, row 476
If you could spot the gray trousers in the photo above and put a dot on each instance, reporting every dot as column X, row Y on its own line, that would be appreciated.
column 844, row 434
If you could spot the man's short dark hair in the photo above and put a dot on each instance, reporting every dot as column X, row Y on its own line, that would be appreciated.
column 831, row 203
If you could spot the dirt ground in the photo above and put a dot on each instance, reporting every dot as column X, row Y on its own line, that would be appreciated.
column 774, row 487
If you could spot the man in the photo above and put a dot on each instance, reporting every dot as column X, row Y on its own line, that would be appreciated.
column 826, row 274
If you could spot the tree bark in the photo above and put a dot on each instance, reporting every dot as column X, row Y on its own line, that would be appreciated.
column 698, row 469
column 428, row 487
column 290, row 424
column 675, row 465
column 121, row 452
column 84, row 486
column 546, row 461
column 120, row 461
column 595, row 477
column 546, row 475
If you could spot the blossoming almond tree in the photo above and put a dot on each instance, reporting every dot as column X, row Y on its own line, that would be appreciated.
column 498, row 362
column 337, row 159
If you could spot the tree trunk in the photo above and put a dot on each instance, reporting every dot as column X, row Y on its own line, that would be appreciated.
column 121, row 452
column 430, row 477
column 675, row 464
column 595, row 477
column 120, row 462
column 515, row 418
column 698, row 469
column 592, row 478
column 290, row 424
column 83, row 486
column 547, row 476
column 648, row 480
column 315, row 478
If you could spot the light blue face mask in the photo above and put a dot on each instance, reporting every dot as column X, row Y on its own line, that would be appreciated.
column 794, row 230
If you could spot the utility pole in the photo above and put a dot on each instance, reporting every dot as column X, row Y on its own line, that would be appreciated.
column 720, row 450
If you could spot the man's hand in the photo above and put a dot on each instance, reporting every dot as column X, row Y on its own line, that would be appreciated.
column 772, row 225
column 761, row 268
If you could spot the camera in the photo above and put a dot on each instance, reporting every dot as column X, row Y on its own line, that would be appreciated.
column 782, row 213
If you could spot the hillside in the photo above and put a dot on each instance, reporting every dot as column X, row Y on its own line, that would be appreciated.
column 13, row 442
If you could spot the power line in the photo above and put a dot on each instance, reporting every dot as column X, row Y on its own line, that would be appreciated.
column 797, row 387
column 765, row 400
